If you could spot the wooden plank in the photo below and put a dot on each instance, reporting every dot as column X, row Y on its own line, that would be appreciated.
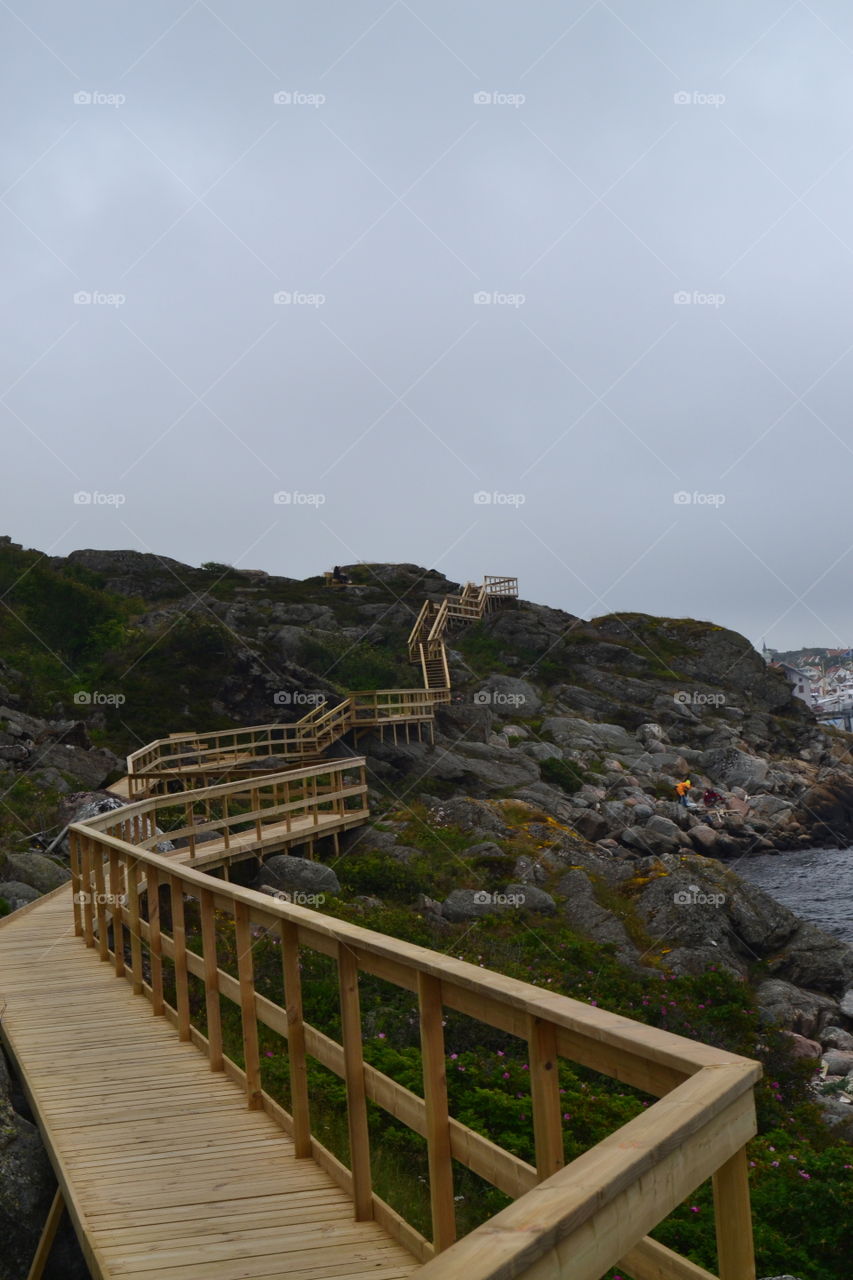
column 545, row 1090
column 735, row 1254
column 351, row 1031
column 650, row 1260
column 437, row 1114
column 48, row 1235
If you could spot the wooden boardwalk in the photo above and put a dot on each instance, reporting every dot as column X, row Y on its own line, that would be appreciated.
column 165, row 1171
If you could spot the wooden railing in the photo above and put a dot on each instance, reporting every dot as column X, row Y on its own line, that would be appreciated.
column 273, row 805
column 470, row 605
column 195, row 759
column 575, row 1221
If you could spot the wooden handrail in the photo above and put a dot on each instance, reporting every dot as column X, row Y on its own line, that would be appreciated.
column 595, row 1211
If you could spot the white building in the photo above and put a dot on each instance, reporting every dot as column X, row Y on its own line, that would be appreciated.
column 800, row 683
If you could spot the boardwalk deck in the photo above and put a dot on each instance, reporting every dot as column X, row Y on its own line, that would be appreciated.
column 164, row 1170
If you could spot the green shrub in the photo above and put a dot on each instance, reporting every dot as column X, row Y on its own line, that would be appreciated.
column 377, row 873
column 562, row 774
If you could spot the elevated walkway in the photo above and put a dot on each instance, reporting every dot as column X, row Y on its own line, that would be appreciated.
column 165, row 1173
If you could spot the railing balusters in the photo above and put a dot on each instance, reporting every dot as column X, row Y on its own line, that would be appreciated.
column 359, row 1137
column 245, row 972
column 437, row 1114
column 155, row 942
column 296, row 1040
column 545, row 1090
column 179, row 944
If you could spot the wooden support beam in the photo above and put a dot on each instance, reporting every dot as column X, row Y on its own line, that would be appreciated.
column 118, row 900
column 245, row 970
column 133, row 925
column 359, row 1139
column 48, row 1234
column 179, row 957
column 155, row 941
column 735, row 1253
column 211, row 980
column 437, row 1113
column 296, row 1040
column 545, row 1089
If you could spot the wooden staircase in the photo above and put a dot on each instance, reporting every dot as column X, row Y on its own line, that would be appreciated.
column 426, row 641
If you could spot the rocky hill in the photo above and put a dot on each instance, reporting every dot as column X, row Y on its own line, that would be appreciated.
column 545, row 804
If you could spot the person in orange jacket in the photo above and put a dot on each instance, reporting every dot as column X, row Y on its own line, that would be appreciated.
column 681, row 790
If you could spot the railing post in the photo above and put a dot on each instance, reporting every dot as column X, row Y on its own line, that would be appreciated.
column 211, row 980
column 437, row 1114
column 359, row 1138
column 155, row 942
column 735, row 1253
column 133, row 924
column 245, row 972
column 118, row 910
column 296, row 1040
column 100, row 902
column 76, row 881
column 179, row 942
column 545, row 1090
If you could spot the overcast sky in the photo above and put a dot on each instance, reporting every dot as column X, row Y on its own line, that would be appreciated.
column 585, row 167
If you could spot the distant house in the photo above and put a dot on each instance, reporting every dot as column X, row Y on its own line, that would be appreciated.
column 801, row 685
